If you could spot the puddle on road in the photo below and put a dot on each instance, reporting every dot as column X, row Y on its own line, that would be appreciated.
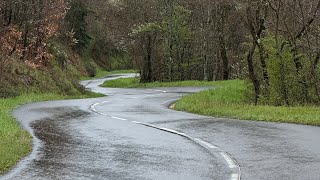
column 54, row 132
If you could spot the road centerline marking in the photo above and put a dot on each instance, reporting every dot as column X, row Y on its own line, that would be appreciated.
column 229, row 160
column 207, row 144
column 122, row 119
column 235, row 177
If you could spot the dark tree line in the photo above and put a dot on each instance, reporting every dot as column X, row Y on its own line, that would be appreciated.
column 181, row 40
column 273, row 43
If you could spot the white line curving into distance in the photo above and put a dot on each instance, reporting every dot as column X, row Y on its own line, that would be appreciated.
column 232, row 163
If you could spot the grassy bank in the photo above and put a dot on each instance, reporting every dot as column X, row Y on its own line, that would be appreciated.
column 15, row 143
column 103, row 73
column 134, row 83
column 229, row 100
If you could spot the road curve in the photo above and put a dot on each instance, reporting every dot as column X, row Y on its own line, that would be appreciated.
column 131, row 134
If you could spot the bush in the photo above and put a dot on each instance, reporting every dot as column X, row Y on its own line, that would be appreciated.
column 91, row 69
column 8, row 93
column 289, row 85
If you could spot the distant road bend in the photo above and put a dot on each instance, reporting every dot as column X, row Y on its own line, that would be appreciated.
column 132, row 134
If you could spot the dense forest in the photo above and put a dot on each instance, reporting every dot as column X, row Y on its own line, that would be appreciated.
column 274, row 44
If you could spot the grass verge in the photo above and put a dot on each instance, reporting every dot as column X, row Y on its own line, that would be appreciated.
column 103, row 73
column 16, row 143
column 134, row 83
column 229, row 100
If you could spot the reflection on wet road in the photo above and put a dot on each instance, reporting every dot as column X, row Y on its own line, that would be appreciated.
column 131, row 134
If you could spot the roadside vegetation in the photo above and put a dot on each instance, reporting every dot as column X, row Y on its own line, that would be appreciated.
column 135, row 83
column 103, row 73
column 273, row 45
column 228, row 99
column 44, row 50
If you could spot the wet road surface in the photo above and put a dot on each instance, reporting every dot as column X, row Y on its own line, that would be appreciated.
column 131, row 134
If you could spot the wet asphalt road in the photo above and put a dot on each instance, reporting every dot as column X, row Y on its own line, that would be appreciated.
column 131, row 134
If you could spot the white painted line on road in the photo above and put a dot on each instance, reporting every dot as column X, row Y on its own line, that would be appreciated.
column 102, row 113
column 160, row 91
column 163, row 129
column 173, row 131
column 122, row 119
column 93, row 108
column 96, row 104
column 136, row 122
column 235, row 177
column 153, row 95
column 211, row 146
column 229, row 160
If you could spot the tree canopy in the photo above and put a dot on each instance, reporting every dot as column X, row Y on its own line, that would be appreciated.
column 273, row 44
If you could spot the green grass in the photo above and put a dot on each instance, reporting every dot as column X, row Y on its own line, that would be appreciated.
column 15, row 143
column 103, row 73
column 229, row 100
column 134, row 83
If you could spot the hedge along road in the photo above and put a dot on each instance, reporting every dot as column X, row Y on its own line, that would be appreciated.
column 131, row 134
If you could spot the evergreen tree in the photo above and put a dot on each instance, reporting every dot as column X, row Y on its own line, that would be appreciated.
column 76, row 22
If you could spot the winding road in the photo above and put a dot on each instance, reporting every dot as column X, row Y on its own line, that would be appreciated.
column 132, row 134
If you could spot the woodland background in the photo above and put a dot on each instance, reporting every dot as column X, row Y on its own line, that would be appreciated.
column 46, row 45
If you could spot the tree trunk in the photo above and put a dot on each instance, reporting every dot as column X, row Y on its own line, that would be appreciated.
column 263, row 61
column 252, row 74
column 224, row 57
column 146, row 75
